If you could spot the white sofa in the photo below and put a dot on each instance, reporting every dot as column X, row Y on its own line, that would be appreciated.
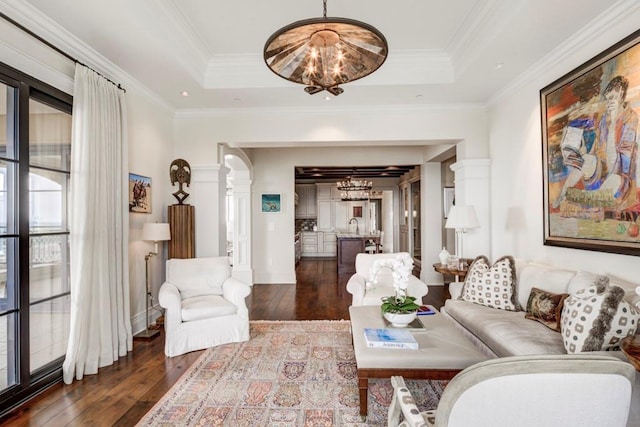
column 371, row 294
column 501, row 333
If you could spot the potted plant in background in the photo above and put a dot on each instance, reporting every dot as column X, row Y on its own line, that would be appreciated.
column 400, row 309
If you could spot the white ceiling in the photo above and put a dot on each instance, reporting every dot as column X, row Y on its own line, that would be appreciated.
column 441, row 52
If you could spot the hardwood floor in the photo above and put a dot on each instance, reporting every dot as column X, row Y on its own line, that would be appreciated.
column 119, row 395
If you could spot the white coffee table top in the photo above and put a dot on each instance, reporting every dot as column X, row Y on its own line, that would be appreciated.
column 441, row 345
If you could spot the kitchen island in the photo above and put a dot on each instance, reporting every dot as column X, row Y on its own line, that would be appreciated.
column 350, row 245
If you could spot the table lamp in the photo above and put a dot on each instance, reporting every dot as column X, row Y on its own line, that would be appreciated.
column 462, row 218
column 153, row 232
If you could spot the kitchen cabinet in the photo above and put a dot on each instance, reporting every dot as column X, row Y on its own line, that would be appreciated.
column 325, row 219
column 297, row 248
column 330, row 244
column 318, row 244
column 309, row 241
column 324, row 191
column 306, row 207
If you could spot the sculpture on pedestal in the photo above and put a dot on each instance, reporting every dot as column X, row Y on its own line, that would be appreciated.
column 180, row 172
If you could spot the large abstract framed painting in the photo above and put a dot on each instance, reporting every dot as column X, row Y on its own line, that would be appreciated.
column 590, row 153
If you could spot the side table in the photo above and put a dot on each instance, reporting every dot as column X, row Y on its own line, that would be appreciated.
column 444, row 269
column 631, row 348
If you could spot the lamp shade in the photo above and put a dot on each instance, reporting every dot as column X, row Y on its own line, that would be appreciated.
column 462, row 218
column 156, row 231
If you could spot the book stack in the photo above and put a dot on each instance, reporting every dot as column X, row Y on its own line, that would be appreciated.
column 390, row 338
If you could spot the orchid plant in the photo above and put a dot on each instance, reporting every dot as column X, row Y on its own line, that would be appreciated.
column 401, row 267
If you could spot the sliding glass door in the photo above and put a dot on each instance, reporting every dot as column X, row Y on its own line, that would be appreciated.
column 35, row 149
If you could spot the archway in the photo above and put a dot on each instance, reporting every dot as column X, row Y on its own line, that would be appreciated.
column 238, row 212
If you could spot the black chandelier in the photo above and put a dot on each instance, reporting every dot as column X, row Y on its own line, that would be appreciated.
column 354, row 189
column 323, row 53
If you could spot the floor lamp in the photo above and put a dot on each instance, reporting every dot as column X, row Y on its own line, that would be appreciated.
column 154, row 232
column 462, row 218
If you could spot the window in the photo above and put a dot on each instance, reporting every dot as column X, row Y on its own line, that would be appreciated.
column 35, row 162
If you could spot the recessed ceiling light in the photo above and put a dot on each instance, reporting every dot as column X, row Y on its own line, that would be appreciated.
column 184, row 93
column 237, row 99
column 418, row 96
column 327, row 98
column 499, row 65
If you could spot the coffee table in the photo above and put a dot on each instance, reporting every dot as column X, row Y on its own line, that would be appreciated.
column 443, row 351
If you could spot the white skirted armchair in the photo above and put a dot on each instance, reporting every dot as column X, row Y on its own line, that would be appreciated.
column 204, row 305
column 528, row 391
column 364, row 292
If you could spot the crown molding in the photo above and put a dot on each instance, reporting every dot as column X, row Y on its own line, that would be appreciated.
column 189, row 44
column 401, row 68
column 315, row 111
column 41, row 67
column 33, row 19
column 584, row 37
column 476, row 30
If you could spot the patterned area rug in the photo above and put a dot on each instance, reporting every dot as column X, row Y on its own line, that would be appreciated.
column 291, row 373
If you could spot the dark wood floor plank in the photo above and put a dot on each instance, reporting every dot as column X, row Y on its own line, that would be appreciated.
column 123, row 393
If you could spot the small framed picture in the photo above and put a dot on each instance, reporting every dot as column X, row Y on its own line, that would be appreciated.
column 139, row 193
column 449, row 200
column 357, row 211
column 270, row 202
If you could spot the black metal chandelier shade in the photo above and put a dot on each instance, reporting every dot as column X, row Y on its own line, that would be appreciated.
column 323, row 53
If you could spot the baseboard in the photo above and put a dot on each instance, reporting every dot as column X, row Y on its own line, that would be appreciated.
column 138, row 322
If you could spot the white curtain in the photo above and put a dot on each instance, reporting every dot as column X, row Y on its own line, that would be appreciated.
column 100, row 322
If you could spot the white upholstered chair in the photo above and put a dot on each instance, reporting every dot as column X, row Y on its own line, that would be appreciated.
column 365, row 293
column 204, row 305
column 554, row 390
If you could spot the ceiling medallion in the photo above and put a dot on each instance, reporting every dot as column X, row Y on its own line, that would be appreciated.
column 323, row 53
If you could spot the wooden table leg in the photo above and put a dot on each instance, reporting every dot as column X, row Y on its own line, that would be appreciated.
column 363, row 386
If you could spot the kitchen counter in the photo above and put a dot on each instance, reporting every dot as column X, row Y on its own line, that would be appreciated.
column 358, row 236
column 350, row 245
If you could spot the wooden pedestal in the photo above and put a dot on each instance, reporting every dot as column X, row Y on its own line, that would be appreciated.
column 183, row 235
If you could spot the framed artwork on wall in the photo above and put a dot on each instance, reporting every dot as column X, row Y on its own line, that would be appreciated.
column 357, row 211
column 270, row 202
column 139, row 193
column 449, row 194
column 590, row 153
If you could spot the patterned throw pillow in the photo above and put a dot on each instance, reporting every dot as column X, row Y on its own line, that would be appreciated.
column 597, row 318
column 491, row 285
column 545, row 307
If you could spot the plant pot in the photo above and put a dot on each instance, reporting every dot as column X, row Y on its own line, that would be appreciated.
column 400, row 320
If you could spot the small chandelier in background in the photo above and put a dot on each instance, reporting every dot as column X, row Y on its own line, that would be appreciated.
column 354, row 189
column 323, row 53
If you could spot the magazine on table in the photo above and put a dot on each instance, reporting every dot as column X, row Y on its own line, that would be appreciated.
column 390, row 338
column 426, row 310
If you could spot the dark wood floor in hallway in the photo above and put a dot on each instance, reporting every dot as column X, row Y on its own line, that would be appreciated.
column 122, row 393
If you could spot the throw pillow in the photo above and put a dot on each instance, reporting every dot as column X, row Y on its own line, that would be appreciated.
column 491, row 285
column 597, row 318
column 545, row 307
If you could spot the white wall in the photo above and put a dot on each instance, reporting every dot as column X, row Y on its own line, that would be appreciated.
column 384, row 133
column 274, row 172
column 150, row 154
column 150, row 138
column 516, row 164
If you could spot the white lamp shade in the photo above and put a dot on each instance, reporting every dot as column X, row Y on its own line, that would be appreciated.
column 462, row 217
column 156, row 231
